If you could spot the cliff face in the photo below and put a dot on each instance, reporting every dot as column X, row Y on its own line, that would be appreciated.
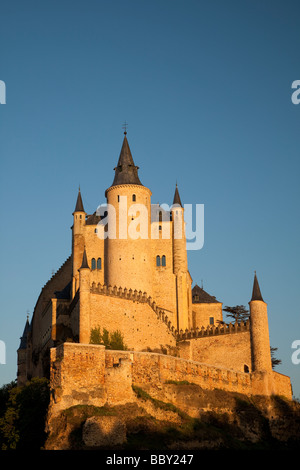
column 179, row 416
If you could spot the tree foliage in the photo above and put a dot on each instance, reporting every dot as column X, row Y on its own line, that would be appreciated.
column 22, row 415
column 112, row 340
column 237, row 313
column 275, row 362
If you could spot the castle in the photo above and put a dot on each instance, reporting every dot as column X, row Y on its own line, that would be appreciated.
column 139, row 285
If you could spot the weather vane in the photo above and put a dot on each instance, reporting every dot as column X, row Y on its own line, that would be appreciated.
column 125, row 125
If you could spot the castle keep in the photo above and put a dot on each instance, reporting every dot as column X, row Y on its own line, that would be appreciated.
column 139, row 284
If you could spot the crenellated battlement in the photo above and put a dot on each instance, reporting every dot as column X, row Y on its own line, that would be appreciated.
column 142, row 297
column 85, row 374
column 55, row 274
column 213, row 330
column 135, row 296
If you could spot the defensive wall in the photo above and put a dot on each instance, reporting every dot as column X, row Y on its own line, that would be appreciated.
column 84, row 374
column 147, row 327
column 223, row 346
column 144, row 325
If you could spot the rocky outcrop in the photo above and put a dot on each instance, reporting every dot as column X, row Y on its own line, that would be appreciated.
column 180, row 415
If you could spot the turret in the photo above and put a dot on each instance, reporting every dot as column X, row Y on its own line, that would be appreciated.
column 259, row 331
column 128, row 246
column 179, row 252
column 77, row 240
column 180, row 265
column 84, row 300
column 22, row 355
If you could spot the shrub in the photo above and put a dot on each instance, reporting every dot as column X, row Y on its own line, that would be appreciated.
column 112, row 340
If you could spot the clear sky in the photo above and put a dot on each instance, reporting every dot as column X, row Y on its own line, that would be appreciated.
column 205, row 87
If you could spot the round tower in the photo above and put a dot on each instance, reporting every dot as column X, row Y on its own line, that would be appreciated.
column 179, row 240
column 77, row 240
column 259, row 331
column 128, row 244
column 84, row 301
column 180, row 265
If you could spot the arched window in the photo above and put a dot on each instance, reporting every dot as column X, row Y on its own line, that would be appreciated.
column 99, row 263
column 246, row 369
column 158, row 260
column 163, row 260
column 93, row 263
column 134, row 197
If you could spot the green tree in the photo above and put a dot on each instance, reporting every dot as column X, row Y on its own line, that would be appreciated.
column 112, row 340
column 22, row 424
column 238, row 313
column 117, row 341
column 275, row 362
column 96, row 337
column 106, row 338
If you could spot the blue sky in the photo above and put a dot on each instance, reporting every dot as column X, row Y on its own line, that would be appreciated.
column 206, row 89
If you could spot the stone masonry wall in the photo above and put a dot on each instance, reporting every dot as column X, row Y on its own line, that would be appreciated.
column 91, row 375
column 138, row 322
column 232, row 351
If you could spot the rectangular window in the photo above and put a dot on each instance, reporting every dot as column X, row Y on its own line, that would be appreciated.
column 211, row 321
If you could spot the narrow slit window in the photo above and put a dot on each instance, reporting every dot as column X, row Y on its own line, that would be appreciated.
column 134, row 197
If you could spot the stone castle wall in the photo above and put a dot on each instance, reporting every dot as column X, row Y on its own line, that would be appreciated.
column 226, row 350
column 138, row 322
column 84, row 374
column 202, row 312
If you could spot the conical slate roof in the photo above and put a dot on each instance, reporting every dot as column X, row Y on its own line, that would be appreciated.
column 177, row 199
column 256, row 294
column 79, row 203
column 84, row 263
column 23, row 342
column 126, row 172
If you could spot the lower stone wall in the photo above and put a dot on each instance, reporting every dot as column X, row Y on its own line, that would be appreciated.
column 90, row 375
column 77, row 375
column 282, row 384
column 226, row 350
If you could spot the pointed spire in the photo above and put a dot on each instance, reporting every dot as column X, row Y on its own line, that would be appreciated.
column 84, row 263
column 256, row 294
column 177, row 199
column 126, row 172
column 23, row 342
column 79, row 204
